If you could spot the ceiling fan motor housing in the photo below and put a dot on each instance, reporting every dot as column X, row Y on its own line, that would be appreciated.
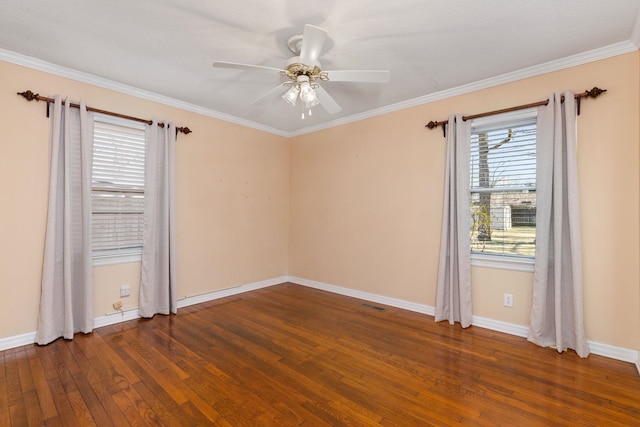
column 294, row 66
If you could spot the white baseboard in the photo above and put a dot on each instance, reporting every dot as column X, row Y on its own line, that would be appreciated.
column 118, row 317
column 210, row 296
column 500, row 326
column 394, row 302
column 613, row 352
column 606, row 350
column 17, row 341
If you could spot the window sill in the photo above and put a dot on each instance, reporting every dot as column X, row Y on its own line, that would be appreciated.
column 116, row 259
column 514, row 263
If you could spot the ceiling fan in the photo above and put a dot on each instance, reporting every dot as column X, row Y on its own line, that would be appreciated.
column 304, row 73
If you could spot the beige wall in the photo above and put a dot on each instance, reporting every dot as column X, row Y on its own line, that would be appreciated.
column 366, row 201
column 232, row 190
column 357, row 206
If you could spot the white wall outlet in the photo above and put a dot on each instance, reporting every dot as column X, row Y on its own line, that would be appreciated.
column 125, row 291
column 508, row 300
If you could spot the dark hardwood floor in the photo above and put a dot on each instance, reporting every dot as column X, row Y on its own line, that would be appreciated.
column 290, row 355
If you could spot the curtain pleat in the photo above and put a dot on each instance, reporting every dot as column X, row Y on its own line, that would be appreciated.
column 66, row 300
column 557, row 317
column 453, row 294
column 158, row 272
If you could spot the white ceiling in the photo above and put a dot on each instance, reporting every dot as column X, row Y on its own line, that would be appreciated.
column 166, row 47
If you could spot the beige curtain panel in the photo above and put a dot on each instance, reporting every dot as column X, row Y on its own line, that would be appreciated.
column 66, row 301
column 557, row 317
column 158, row 268
column 453, row 292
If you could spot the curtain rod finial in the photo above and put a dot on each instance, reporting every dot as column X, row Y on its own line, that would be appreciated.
column 595, row 92
column 30, row 96
column 431, row 124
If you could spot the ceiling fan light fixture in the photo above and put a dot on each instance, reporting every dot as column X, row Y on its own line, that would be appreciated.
column 311, row 103
column 291, row 96
column 307, row 94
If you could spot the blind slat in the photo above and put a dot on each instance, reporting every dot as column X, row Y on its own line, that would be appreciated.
column 117, row 187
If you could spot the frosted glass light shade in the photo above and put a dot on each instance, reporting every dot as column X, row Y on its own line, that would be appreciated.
column 307, row 94
column 291, row 96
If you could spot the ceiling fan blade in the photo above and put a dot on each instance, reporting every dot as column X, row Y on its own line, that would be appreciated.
column 268, row 94
column 367, row 76
column 245, row 67
column 312, row 41
column 327, row 101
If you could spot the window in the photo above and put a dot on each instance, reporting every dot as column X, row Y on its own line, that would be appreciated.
column 117, row 190
column 503, row 187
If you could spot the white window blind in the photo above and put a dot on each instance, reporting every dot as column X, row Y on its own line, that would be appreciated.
column 117, row 187
column 503, row 185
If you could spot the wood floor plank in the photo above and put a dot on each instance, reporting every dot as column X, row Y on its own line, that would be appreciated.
column 195, row 416
column 5, row 416
column 175, row 375
column 149, row 371
column 132, row 414
column 118, row 370
column 24, row 370
column 45, row 400
column 142, row 407
column 94, row 387
column 32, row 409
column 106, row 399
column 168, row 412
column 18, row 413
column 82, row 413
column 12, row 377
column 289, row 355
column 61, row 400
column 54, row 422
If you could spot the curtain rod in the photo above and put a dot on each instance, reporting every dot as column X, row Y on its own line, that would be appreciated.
column 30, row 96
column 593, row 93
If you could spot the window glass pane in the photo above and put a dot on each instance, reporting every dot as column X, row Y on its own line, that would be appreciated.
column 503, row 189
column 508, row 227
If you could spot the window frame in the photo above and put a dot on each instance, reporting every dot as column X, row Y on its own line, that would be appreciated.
column 507, row 261
column 115, row 256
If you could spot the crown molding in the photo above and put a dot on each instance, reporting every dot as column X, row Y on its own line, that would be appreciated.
column 536, row 70
column 80, row 76
column 635, row 33
column 631, row 45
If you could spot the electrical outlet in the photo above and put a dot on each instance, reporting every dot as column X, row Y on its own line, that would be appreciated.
column 125, row 291
column 508, row 300
column 117, row 305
